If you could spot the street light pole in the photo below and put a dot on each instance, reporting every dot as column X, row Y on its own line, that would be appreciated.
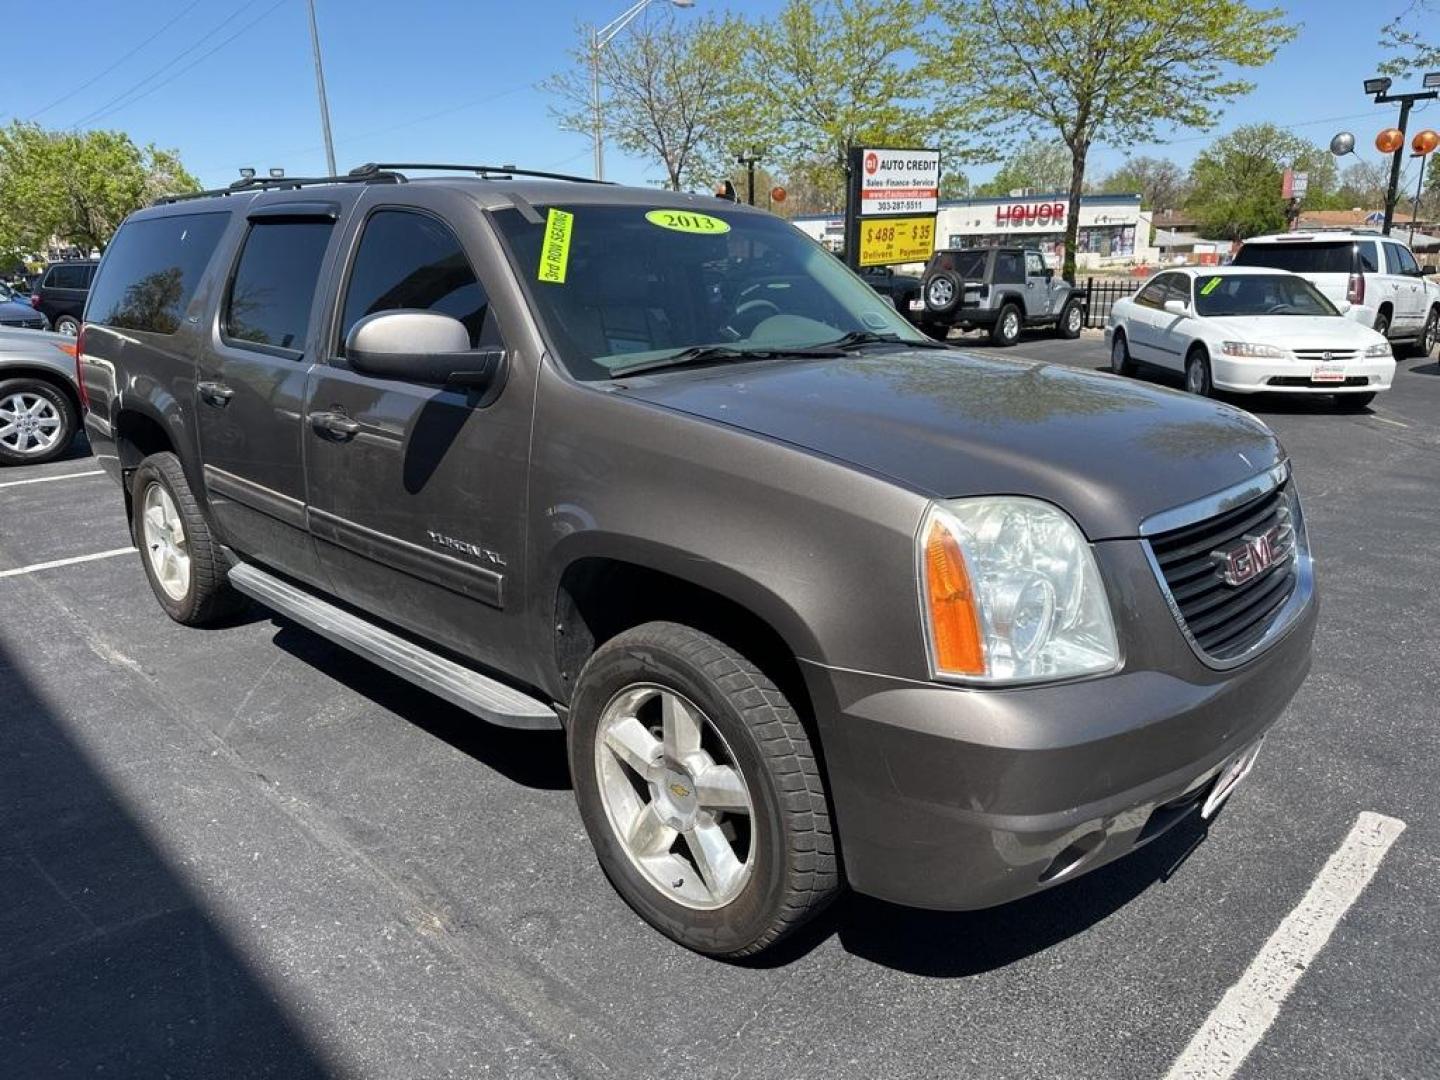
column 749, row 162
column 598, row 40
column 320, row 91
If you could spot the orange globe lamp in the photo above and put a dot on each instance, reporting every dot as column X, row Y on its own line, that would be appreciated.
column 1389, row 140
column 1424, row 142
column 777, row 192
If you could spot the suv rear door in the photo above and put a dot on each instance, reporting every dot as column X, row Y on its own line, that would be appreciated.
column 250, row 387
column 419, row 511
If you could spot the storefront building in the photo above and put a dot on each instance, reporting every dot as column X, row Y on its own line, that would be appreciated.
column 1114, row 231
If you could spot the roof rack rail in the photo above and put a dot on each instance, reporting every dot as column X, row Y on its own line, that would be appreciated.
column 485, row 172
column 1334, row 228
column 281, row 183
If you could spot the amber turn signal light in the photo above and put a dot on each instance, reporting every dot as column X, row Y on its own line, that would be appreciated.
column 954, row 621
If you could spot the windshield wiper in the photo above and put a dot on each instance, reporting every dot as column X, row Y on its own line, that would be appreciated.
column 857, row 338
column 709, row 354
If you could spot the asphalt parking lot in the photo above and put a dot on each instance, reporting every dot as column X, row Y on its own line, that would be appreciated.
column 241, row 852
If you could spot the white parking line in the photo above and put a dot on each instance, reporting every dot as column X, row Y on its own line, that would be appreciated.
column 65, row 562
column 1236, row 1026
column 1387, row 420
column 48, row 479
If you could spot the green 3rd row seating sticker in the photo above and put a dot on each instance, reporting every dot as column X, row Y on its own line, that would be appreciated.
column 555, row 252
column 1209, row 286
column 687, row 221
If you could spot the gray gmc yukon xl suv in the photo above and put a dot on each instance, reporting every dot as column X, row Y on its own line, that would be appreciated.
column 818, row 601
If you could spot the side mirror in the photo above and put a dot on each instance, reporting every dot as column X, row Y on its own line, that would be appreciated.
column 1177, row 307
column 1428, row 271
column 420, row 346
column 1049, row 274
column 1343, row 307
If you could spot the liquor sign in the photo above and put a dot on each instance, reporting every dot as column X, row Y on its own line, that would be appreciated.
column 1049, row 213
column 891, row 199
column 899, row 182
column 896, row 240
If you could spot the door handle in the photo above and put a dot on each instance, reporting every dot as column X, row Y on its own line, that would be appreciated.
column 214, row 393
column 334, row 425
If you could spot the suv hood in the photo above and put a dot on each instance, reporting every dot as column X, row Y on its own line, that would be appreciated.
column 1110, row 451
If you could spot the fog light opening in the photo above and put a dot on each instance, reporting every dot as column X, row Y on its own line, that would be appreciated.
column 1073, row 857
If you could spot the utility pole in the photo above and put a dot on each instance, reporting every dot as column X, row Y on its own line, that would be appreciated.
column 320, row 90
column 749, row 162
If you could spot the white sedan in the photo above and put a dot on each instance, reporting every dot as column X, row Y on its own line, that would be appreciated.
column 1245, row 330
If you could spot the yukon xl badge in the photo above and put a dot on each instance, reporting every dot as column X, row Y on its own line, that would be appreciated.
column 465, row 548
column 1250, row 558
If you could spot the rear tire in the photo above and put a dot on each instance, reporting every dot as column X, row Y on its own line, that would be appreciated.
column 1006, row 331
column 1197, row 374
column 1353, row 403
column 669, row 727
column 1382, row 324
column 67, row 325
column 183, row 562
column 37, row 421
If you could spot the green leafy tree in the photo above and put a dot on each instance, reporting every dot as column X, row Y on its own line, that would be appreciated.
column 77, row 187
column 1412, row 37
column 1160, row 183
column 1362, row 186
column 1236, row 181
column 666, row 85
column 1037, row 166
column 1113, row 71
column 820, row 77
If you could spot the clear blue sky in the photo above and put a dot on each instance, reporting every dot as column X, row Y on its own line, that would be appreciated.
column 430, row 79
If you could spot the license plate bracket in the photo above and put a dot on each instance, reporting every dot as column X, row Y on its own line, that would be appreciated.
column 1235, row 770
column 1328, row 374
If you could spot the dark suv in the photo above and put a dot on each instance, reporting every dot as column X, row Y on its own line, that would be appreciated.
column 61, row 293
column 816, row 600
column 1002, row 289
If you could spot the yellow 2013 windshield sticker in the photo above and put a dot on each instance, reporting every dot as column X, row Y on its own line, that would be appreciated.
column 1209, row 286
column 687, row 221
column 555, row 251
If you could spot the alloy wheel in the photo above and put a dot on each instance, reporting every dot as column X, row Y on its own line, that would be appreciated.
column 166, row 546
column 674, row 796
column 1011, row 329
column 30, row 424
column 940, row 293
column 1072, row 320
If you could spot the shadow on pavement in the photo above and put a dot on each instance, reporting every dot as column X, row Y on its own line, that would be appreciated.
column 945, row 944
column 536, row 759
column 109, row 964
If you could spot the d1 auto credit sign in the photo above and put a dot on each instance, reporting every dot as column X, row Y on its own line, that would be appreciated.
column 899, row 182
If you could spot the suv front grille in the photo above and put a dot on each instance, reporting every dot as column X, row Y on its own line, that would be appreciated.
column 1230, row 575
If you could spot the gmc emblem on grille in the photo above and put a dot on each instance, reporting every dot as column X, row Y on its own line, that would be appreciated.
column 1250, row 558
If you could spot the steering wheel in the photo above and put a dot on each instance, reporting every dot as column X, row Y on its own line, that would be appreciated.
column 749, row 315
column 1276, row 309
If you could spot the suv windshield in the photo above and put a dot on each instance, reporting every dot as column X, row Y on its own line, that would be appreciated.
column 619, row 286
column 1259, row 294
column 1308, row 257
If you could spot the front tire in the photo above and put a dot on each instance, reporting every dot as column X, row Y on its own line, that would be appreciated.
column 1120, row 361
column 1197, row 374
column 182, row 560
column 1430, row 335
column 700, row 792
column 1006, row 331
column 1072, row 318
column 37, row 421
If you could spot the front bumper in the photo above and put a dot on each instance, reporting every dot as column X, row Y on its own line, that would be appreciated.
column 958, row 798
column 1240, row 375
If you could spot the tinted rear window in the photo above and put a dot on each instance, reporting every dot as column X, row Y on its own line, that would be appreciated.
column 968, row 264
column 68, row 277
column 274, row 285
column 1305, row 257
column 151, row 271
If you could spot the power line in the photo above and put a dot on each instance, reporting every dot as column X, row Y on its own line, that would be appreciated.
column 110, row 106
column 97, row 77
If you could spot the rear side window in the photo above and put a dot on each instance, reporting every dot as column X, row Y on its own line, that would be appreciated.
column 968, row 264
column 1304, row 257
column 269, row 299
column 1153, row 294
column 410, row 260
column 151, row 271
column 1401, row 261
column 68, row 277
column 1009, row 268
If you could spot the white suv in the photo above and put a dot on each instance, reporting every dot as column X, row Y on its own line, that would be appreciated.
column 1374, row 279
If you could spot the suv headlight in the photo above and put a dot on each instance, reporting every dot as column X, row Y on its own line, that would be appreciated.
column 1380, row 348
column 1250, row 348
column 1011, row 593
